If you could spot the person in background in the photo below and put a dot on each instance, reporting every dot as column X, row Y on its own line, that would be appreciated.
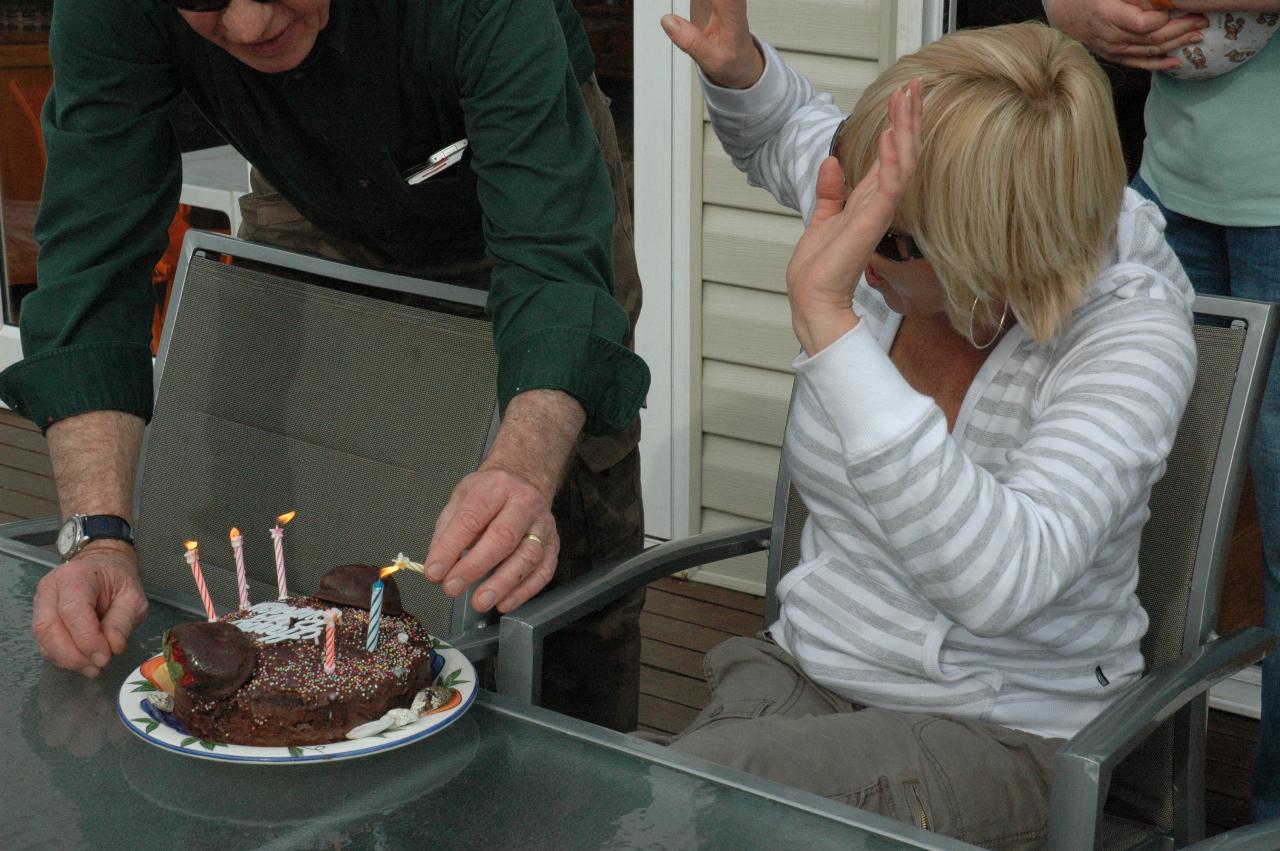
column 997, row 352
column 338, row 104
column 1207, row 163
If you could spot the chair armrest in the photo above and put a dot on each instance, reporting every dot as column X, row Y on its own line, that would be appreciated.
column 26, row 539
column 478, row 642
column 523, row 631
column 1082, row 767
column 1262, row 836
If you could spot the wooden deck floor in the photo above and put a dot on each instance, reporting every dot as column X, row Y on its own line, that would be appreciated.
column 26, row 479
column 683, row 620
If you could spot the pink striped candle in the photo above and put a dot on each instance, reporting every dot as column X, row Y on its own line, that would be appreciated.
column 242, row 582
column 331, row 641
column 193, row 559
column 277, row 538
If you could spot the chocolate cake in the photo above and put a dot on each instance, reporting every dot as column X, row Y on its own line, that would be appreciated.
column 257, row 677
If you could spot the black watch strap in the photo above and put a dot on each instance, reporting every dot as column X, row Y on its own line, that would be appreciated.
column 98, row 526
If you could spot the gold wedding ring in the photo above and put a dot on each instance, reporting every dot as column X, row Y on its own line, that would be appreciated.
column 534, row 538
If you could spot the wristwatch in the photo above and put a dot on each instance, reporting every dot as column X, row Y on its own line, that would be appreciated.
column 80, row 529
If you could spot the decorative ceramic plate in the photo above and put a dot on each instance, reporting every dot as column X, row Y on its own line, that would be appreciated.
column 162, row 729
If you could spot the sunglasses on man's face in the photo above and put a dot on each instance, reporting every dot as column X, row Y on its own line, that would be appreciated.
column 203, row 5
column 898, row 247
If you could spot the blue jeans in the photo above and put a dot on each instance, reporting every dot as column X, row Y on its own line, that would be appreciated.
column 1245, row 263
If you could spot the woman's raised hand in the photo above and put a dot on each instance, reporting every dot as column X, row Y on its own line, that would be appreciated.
column 835, row 247
column 718, row 40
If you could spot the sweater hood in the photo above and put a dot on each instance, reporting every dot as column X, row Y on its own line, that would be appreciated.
column 1140, row 246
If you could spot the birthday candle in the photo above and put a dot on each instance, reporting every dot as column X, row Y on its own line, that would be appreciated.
column 330, row 641
column 193, row 559
column 277, row 539
column 375, row 616
column 242, row 582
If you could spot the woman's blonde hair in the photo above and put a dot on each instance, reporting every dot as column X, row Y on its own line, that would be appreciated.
column 1020, row 176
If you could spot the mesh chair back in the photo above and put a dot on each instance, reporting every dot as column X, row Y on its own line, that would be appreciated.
column 789, row 515
column 1180, row 504
column 1183, row 551
column 788, row 522
column 289, row 383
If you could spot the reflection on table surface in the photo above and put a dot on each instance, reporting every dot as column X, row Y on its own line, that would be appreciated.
column 502, row 776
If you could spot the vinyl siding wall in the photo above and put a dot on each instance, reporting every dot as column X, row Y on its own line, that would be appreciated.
column 742, row 381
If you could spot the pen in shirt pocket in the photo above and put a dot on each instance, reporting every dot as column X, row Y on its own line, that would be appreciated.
column 436, row 163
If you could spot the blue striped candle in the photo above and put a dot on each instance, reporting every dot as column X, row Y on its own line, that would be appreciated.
column 375, row 616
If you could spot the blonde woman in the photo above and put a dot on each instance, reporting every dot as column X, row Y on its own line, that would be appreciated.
column 996, row 353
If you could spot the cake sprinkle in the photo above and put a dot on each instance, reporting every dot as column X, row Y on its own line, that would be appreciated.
column 298, row 667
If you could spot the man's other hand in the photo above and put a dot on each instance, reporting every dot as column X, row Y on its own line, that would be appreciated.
column 85, row 609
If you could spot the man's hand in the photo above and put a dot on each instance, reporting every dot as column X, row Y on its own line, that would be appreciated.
column 85, row 609
column 499, row 517
column 718, row 40
column 1135, row 33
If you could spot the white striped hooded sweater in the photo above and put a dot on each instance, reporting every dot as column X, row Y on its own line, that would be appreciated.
column 987, row 573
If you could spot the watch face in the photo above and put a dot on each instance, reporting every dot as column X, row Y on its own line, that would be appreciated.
column 67, row 537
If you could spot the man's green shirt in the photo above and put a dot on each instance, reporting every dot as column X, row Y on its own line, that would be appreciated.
column 388, row 83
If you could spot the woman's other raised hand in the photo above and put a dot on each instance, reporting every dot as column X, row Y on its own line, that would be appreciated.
column 835, row 247
column 719, row 41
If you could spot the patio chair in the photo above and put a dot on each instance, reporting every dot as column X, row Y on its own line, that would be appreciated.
column 287, row 382
column 1160, row 724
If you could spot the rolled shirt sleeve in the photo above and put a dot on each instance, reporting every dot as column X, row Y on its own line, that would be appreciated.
column 548, row 215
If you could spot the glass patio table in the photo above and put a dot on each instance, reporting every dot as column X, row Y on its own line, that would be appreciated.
column 504, row 775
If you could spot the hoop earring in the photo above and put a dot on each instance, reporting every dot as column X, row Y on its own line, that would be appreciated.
column 1004, row 314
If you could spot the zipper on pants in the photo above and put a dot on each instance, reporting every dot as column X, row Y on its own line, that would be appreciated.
column 922, row 817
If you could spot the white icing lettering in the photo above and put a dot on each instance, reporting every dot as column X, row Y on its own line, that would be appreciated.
column 276, row 621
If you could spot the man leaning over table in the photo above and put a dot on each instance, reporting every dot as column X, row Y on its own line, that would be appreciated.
column 334, row 101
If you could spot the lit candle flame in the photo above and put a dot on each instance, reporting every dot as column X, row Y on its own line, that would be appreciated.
column 190, row 545
column 235, row 533
column 401, row 562
column 285, row 518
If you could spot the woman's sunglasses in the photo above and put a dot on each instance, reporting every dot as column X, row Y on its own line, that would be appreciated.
column 203, row 5
column 892, row 244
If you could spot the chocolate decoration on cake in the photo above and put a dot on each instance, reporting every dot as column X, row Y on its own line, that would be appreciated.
column 211, row 660
column 352, row 584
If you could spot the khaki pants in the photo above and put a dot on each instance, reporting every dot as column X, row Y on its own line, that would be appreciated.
column 983, row 783
column 591, row 669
